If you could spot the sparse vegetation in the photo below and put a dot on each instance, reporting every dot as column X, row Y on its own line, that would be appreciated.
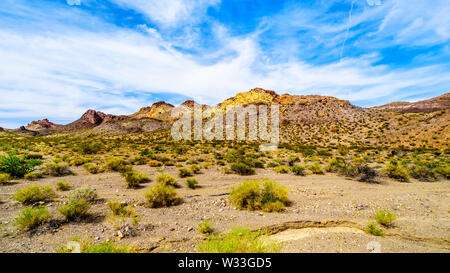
column 397, row 172
column 298, row 170
column 205, row 227
column 184, row 172
column 17, row 166
column 265, row 195
column 162, row 195
column 63, row 185
column 374, row 230
column 167, row 179
column 385, row 217
column 5, row 178
column 238, row 240
column 32, row 217
column 33, row 194
column 192, row 183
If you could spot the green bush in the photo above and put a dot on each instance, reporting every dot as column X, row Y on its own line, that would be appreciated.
column 167, row 179
column 205, row 227
column 282, row 169
column 33, row 175
column 84, row 193
column 385, row 217
column 316, row 169
column 116, row 164
column 56, row 169
column 184, row 172
column 397, row 172
column 33, row 194
column 63, row 185
column 195, row 168
column 242, row 169
column 120, row 209
column 90, row 147
column 87, row 246
column 336, row 165
column 17, row 167
column 75, row 210
column 374, row 230
column 5, row 178
column 133, row 178
column 91, row 168
column 162, row 195
column 239, row 240
column 265, row 195
column 192, row 183
column 298, row 170
column 30, row 218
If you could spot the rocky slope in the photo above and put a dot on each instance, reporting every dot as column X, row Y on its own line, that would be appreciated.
column 430, row 105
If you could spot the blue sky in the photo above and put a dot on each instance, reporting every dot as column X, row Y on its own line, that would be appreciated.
column 61, row 57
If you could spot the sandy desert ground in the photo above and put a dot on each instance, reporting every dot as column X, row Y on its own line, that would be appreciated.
column 329, row 213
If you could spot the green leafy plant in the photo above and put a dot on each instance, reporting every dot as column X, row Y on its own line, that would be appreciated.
column 17, row 166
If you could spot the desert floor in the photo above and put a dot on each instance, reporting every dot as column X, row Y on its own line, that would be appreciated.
column 329, row 214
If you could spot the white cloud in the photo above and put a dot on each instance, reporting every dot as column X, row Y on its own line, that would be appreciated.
column 170, row 12
column 60, row 72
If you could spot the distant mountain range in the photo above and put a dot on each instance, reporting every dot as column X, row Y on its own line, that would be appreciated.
column 312, row 119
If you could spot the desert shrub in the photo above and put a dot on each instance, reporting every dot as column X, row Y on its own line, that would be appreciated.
column 17, row 166
column 167, row 179
column 298, row 170
column 162, row 195
column 238, row 240
column 443, row 171
column 362, row 173
column 184, row 172
column 30, row 218
column 133, row 178
column 84, row 193
column 91, row 168
column 63, row 185
column 5, row 178
column 116, row 164
column 56, row 169
column 374, row 230
column 205, row 227
column 87, row 246
column 138, row 160
column 34, row 156
column 154, row 163
column 424, row 171
column 282, row 169
column 265, row 195
column 316, row 169
column 33, row 194
column 90, row 147
column 195, row 168
column 192, row 183
column 336, row 165
column 33, row 175
column 75, row 210
column 242, row 169
column 385, row 217
column 120, row 208
column 396, row 171
column 77, row 161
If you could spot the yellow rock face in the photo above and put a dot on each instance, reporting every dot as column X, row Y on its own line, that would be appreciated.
column 255, row 96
